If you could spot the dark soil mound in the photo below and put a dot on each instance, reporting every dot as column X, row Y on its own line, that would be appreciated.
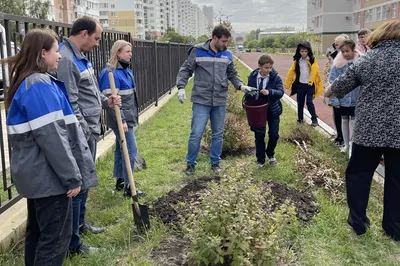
column 163, row 207
column 306, row 204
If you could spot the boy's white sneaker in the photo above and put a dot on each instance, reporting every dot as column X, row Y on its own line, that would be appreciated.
column 260, row 165
column 272, row 161
column 344, row 149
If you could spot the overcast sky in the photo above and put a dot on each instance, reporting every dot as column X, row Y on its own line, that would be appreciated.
column 247, row 15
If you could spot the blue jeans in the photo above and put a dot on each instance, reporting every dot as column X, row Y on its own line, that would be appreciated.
column 119, row 161
column 201, row 114
column 79, row 203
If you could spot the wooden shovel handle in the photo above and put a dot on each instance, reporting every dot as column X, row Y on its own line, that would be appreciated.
column 122, row 136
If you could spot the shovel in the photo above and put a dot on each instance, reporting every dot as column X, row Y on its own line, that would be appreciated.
column 140, row 212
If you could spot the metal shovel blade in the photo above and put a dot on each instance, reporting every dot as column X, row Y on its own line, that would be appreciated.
column 141, row 217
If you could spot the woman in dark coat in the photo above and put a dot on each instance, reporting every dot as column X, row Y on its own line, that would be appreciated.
column 377, row 127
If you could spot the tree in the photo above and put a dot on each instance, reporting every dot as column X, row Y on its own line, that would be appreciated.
column 202, row 38
column 267, row 42
column 172, row 36
column 252, row 44
column 253, row 35
column 33, row 8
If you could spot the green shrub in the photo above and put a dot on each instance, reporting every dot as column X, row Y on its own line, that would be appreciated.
column 234, row 104
column 235, row 225
column 236, row 136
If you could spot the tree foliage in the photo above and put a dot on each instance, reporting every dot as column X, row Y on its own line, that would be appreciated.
column 33, row 9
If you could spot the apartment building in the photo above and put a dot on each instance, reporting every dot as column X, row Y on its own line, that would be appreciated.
column 328, row 18
column 118, row 15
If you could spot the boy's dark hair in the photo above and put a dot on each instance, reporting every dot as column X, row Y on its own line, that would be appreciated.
column 265, row 59
column 84, row 23
column 349, row 43
column 220, row 31
column 364, row 31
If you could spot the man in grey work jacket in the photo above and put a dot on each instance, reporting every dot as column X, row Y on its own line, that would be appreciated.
column 213, row 66
column 86, row 100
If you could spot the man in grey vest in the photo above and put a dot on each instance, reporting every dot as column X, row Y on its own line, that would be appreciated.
column 75, row 70
column 212, row 65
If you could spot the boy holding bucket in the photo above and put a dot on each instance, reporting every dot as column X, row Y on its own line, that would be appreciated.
column 270, row 88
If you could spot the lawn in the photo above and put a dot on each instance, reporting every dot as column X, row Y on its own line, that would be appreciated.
column 326, row 240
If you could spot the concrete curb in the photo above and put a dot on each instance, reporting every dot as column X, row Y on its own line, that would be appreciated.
column 325, row 129
column 13, row 221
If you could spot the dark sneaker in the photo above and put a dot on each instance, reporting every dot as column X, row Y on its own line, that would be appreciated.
column 119, row 185
column 128, row 193
column 86, row 228
column 216, row 168
column 300, row 121
column 272, row 161
column 314, row 123
column 83, row 250
column 338, row 143
column 189, row 169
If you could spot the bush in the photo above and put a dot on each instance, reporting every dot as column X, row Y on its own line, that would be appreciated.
column 235, row 225
column 234, row 104
column 236, row 136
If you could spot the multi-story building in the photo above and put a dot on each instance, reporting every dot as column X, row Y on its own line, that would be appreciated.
column 209, row 13
column 118, row 15
column 171, row 14
column 327, row 18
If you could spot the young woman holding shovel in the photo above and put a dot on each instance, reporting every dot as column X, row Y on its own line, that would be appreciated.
column 121, row 54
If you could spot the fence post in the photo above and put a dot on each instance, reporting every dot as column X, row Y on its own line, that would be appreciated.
column 156, row 72
column 170, row 67
column 179, row 53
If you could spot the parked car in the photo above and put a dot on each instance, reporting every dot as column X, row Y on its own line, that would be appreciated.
column 248, row 50
column 258, row 49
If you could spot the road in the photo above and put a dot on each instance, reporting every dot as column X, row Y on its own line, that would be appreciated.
column 282, row 65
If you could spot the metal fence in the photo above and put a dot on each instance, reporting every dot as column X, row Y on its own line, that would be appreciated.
column 154, row 64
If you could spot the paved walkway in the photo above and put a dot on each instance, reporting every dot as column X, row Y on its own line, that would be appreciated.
column 282, row 65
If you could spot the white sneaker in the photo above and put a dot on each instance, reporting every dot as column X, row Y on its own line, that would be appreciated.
column 260, row 165
column 344, row 149
column 272, row 161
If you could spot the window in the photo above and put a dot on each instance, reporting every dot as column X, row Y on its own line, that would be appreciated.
column 113, row 14
column 394, row 10
column 385, row 11
column 103, row 13
column 378, row 13
column 112, row 5
column 371, row 15
column 112, row 22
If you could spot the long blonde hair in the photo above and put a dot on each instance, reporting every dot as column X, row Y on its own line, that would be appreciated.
column 387, row 31
column 116, row 48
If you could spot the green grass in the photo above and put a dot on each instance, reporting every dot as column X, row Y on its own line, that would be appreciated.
column 328, row 240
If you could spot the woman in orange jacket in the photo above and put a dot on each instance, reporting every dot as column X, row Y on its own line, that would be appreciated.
column 304, row 79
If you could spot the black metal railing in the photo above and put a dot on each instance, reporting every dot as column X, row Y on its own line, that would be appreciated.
column 154, row 64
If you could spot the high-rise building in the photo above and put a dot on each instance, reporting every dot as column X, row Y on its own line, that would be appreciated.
column 209, row 13
column 118, row 15
column 327, row 19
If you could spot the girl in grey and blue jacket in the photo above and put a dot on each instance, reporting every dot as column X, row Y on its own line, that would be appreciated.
column 347, row 55
column 50, row 159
